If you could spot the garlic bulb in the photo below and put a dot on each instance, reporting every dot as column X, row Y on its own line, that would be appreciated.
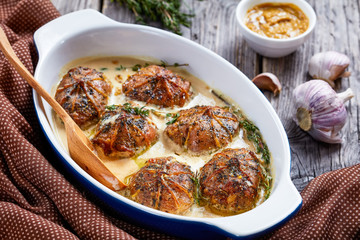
column 329, row 66
column 268, row 81
column 320, row 111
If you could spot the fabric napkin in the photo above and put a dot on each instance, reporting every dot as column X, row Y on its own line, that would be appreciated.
column 331, row 208
column 37, row 202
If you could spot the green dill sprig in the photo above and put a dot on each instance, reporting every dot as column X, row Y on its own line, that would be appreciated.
column 166, row 11
column 135, row 110
column 173, row 116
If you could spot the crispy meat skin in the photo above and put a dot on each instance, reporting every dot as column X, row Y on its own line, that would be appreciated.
column 123, row 134
column 163, row 184
column 230, row 180
column 203, row 128
column 157, row 85
column 83, row 93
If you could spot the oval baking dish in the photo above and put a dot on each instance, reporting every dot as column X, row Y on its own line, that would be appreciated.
column 88, row 33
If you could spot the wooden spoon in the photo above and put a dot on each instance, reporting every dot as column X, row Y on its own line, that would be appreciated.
column 80, row 147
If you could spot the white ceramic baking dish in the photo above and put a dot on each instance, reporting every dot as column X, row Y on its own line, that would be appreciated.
column 89, row 33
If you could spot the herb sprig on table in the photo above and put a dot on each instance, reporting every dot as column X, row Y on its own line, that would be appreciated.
column 166, row 11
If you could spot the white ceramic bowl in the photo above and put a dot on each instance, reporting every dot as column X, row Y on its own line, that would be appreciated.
column 89, row 33
column 271, row 47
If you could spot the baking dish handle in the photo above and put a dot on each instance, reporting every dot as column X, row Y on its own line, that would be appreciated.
column 55, row 31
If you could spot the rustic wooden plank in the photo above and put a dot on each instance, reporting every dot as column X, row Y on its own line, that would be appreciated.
column 65, row 6
column 117, row 12
column 338, row 23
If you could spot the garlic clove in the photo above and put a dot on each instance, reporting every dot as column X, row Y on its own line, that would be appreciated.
column 329, row 66
column 346, row 96
column 268, row 81
column 320, row 111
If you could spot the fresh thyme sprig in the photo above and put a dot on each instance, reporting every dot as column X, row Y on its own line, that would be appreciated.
column 135, row 110
column 166, row 11
column 111, row 107
column 267, row 184
column 254, row 135
column 173, row 116
column 197, row 191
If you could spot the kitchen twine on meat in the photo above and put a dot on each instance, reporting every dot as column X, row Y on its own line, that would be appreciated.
column 37, row 202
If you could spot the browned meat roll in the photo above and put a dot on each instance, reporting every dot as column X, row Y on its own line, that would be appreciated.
column 230, row 181
column 83, row 93
column 123, row 132
column 163, row 184
column 203, row 128
column 157, row 85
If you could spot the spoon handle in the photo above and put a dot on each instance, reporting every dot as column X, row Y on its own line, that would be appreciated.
column 80, row 147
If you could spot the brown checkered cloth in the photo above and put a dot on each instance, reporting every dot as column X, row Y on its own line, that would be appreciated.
column 37, row 202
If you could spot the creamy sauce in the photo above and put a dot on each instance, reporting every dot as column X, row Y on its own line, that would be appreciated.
column 277, row 20
column 164, row 147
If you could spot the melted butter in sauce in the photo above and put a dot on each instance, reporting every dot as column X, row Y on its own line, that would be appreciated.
column 124, row 167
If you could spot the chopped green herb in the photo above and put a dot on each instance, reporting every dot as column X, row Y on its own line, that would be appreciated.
column 120, row 68
column 135, row 110
column 111, row 107
column 174, row 118
column 165, row 64
column 136, row 67
column 103, row 69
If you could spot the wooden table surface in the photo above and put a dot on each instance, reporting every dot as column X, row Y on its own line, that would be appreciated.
column 338, row 28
